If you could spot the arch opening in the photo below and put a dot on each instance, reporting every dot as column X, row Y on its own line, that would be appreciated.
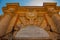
column 32, row 32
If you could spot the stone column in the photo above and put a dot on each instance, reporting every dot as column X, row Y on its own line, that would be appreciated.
column 11, row 26
column 51, row 23
column 52, row 26
column 56, row 19
column 5, row 22
column 12, row 23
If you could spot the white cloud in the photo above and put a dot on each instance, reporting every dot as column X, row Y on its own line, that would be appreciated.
column 38, row 2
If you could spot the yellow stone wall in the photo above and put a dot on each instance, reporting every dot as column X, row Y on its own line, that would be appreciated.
column 31, row 15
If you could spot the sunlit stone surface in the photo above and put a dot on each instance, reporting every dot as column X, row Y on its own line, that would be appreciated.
column 32, row 32
column 31, row 15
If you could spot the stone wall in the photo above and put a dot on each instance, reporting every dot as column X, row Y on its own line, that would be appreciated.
column 29, row 15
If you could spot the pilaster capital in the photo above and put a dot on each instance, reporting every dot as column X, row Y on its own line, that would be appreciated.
column 9, row 13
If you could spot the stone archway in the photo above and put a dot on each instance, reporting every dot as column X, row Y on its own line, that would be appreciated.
column 32, row 32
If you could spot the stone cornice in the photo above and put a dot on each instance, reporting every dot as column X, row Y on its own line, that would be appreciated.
column 21, row 10
column 49, row 4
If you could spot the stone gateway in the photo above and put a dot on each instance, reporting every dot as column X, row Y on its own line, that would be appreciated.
column 30, row 22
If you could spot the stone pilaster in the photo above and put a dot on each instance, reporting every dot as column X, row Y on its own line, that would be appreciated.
column 12, row 23
column 56, row 19
column 52, row 26
column 50, row 22
column 4, row 23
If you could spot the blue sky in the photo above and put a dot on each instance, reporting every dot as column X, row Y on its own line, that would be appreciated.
column 26, row 3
